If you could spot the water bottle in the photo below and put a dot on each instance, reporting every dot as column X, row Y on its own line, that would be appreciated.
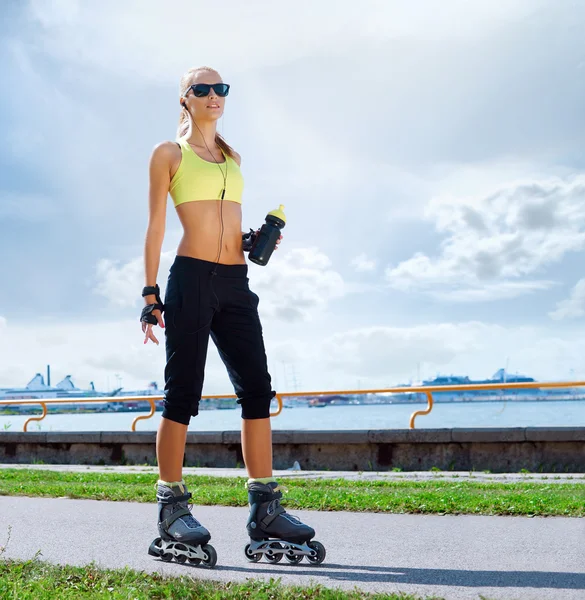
column 267, row 237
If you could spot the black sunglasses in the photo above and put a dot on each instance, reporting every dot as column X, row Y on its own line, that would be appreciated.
column 202, row 89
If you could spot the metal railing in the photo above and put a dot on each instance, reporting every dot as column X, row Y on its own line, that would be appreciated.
column 426, row 390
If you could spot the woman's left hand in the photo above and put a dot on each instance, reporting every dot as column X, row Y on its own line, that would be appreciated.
column 277, row 242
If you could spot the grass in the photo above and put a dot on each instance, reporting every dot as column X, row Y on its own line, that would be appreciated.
column 428, row 497
column 36, row 580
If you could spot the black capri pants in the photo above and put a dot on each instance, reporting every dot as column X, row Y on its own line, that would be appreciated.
column 203, row 298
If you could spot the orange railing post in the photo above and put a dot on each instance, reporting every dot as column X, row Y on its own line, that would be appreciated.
column 279, row 410
column 422, row 412
column 150, row 414
column 44, row 406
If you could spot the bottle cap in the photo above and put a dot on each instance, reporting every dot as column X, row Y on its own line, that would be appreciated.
column 278, row 213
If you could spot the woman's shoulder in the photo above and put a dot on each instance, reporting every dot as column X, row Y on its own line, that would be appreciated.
column 166, row 151
column 167, row 148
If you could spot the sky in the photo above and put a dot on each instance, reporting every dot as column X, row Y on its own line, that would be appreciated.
column 429, row 156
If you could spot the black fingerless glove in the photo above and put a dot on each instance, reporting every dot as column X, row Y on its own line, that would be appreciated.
column 248, row 240
column 146, row 316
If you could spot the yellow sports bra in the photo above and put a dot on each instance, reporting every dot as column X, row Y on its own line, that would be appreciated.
column 198, row 179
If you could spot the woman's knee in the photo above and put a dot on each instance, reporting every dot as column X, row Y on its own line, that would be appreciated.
column 256, row 407
column 181, row 412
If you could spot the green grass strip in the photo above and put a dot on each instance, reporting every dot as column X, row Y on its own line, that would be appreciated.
column 425, row 497
column 36, row 580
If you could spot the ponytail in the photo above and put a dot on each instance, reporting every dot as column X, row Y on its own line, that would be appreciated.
column 225, row 147
column 183, row 124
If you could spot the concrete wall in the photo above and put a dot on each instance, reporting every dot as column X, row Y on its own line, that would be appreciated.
column 549, row 449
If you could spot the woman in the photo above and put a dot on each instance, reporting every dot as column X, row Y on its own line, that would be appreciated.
column 207, row 294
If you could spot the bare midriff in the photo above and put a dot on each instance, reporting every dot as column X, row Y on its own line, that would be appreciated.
column 202, row 230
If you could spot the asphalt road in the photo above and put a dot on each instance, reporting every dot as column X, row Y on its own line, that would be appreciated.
column 455, row 557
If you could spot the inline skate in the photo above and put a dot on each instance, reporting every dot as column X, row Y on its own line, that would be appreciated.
column 182, row 537
column 274, row 533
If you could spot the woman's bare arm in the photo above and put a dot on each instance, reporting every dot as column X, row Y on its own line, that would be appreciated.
column 159, row 182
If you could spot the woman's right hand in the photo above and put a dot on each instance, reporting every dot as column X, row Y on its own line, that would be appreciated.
column 147, row 327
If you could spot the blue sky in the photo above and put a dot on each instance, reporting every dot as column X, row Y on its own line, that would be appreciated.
column 430, row 163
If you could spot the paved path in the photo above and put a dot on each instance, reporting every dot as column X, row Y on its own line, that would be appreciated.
column 353, row 475
column 455, row 557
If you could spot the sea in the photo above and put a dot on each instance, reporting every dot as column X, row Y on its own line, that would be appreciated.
column 352, row 417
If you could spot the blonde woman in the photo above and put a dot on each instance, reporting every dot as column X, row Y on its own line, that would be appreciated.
column 207, row 295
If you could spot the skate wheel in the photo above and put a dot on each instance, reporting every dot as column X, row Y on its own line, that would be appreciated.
column 252, row 557
column 154, row 549
column 274, row 558
column 211, row 556
column 166, row 556
column 194, row 561
column 320, row 553
column 295, row 559
column 181, row 559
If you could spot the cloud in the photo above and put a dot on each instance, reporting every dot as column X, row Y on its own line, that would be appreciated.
column 87, row 350
column 122, row 37
column 376, row 351
column 490, row 292
column 298, row 286
column 382, row 356
column 293, row 287
column 362, row 263
column 121, row 283
column 494, row 239
column 573, row 306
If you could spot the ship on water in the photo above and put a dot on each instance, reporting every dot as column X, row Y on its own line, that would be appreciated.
column 39, row 389
column 490, row 395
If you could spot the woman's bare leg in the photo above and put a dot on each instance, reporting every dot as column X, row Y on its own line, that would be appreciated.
column 264, row 499
column 170, row 449
column 257, row 447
